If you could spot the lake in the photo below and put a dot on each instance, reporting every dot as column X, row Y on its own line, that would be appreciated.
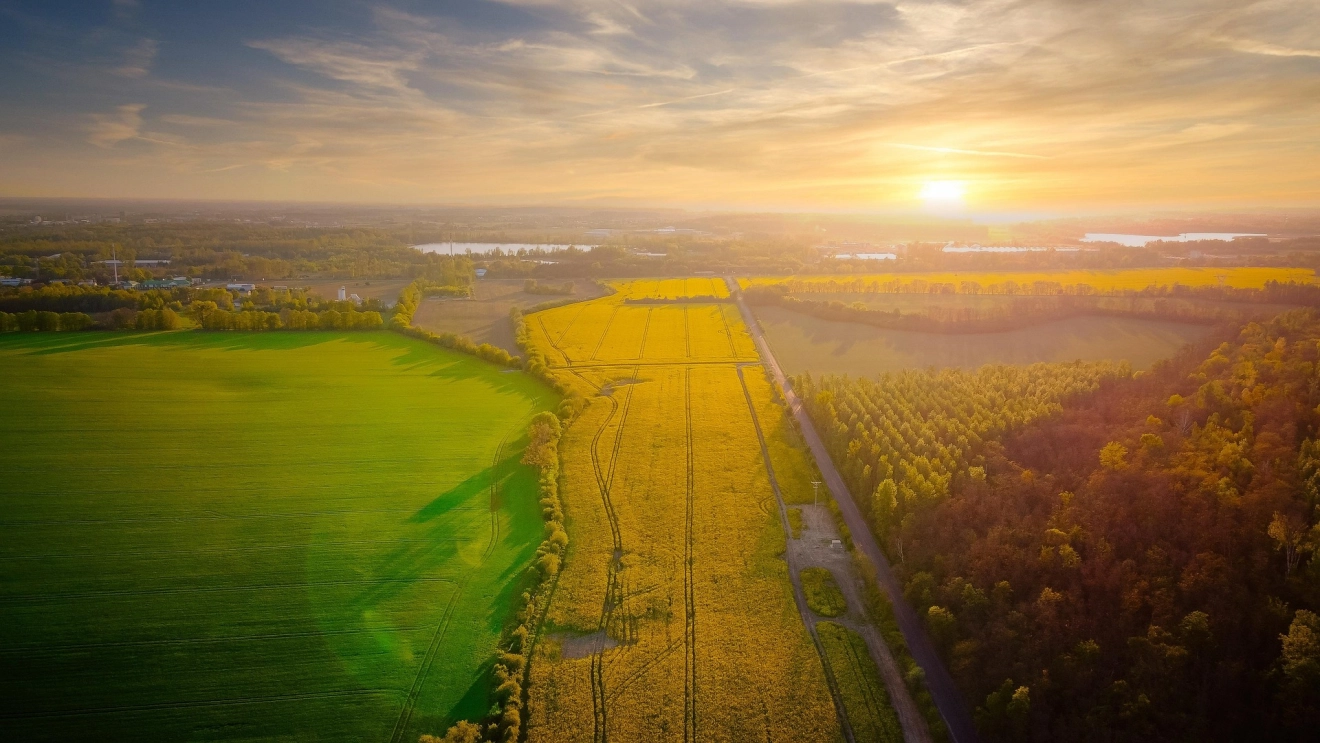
column 1139, row 241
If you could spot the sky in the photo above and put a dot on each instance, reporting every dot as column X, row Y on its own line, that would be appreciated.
column 1008, row 105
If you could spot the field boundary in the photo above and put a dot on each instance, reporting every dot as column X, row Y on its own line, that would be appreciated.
column 799, row 596
column 689, row 580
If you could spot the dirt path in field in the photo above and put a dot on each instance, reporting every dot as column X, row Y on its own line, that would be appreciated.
column 815, row 548
column 953, row 709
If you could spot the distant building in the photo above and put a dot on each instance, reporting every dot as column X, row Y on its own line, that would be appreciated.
column 13, row 281
column 481, row 272
column 144, row 262
column 343, row 294
column 166, row 283
column 241, row 288
column 355, row 299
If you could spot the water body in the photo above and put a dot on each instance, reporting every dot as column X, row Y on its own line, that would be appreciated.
column 484, row 248
column 1004, row 249
column 1139, row 241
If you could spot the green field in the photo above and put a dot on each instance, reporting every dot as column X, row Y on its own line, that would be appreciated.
column 804, row 343
column 293, row 536
column 869, row 711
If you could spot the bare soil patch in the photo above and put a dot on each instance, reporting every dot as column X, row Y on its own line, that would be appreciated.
column 485, row 317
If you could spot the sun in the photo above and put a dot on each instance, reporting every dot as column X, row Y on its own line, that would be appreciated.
column 943, row 195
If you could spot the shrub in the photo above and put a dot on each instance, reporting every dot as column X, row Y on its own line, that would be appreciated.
column 823, row 594
column 75, row 321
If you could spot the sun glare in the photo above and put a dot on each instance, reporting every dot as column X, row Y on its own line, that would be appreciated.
column 943, row 194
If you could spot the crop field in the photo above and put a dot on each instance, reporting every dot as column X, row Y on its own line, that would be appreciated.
column 803, row 343
column 916, row 303
column 694, row 286
column 1237, row 277
column 1111, row 280
column 485, row 317
column 292, row 536
column 673, row 616
column 610, row 333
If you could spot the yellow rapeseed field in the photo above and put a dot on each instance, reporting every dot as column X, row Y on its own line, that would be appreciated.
column 673, row 617
column 695, row 286
column 1102, row 281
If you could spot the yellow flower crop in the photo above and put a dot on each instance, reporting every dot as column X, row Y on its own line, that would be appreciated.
column 1102, row 281
column 673, row 616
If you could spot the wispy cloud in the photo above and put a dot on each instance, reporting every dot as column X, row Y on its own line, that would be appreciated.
column 108, row 130
column 959, row 151
column 754, row 101
column 1270, row 50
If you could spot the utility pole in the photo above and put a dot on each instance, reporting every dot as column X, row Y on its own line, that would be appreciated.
column 815, row 492
column 114, row 253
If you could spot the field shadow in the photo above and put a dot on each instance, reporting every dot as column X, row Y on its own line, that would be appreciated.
column 438, row 544
column 456, row 495
column 475, row 702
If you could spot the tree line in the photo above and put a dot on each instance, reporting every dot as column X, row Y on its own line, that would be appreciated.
column 203, row 249
column 1018, row 313
column 32, row 320
column 1138, row 562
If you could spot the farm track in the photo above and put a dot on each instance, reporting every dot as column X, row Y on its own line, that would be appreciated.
column 619, row 687
column 641, row 351
column 728, row 332
column 555, row 344
column 689, row 581
column 604, row 333
column 613, row 591
column 423, row 670
column 875, row 700
column 569, row 325
column 687, row 334
column 799, row 596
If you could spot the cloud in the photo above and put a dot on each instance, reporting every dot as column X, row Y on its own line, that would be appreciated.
column 138, row 59
column 767, row 102
column 108, row 130
column 345, row 61
column 1270, row 50
column 956, row 151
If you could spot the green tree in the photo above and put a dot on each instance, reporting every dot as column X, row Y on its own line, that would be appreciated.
column 1113, row 456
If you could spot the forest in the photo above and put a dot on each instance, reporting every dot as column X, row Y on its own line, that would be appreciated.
column 1028, row 311
column 1102, row 555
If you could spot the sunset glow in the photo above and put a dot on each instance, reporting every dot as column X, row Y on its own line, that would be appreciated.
column 750, row 104
column 943, row 194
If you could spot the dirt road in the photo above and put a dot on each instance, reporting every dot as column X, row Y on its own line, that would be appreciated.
column 947, row 698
